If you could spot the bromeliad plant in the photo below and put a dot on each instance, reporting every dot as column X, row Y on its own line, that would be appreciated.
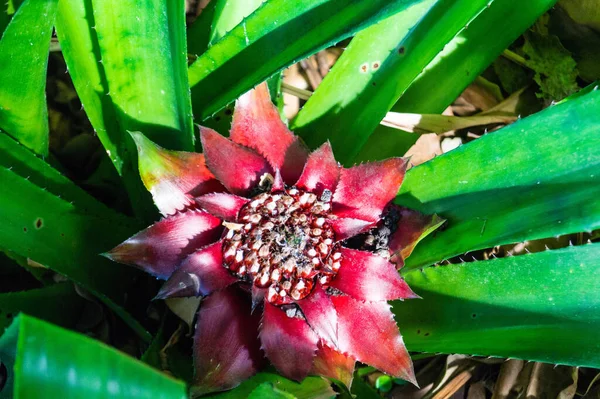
column 295, row 256
column 260, row 226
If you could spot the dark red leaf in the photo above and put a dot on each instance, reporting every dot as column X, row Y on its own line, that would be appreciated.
column 201, row 273
column 290, row 344
column 226, row 345
column 160, row 248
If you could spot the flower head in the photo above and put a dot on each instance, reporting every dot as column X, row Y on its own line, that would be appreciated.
column 296, row 256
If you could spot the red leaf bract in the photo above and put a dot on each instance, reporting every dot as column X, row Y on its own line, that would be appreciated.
column 321, row 171
column 226, row 348
column 223, row 205
column 173, row 177
column 201, row 273
column 320, row 314
column 368, row 332
column 160, row 248
column 369, row 277
column 257, row 125
column 237, row 167
column 363, row 191
column 290, row 344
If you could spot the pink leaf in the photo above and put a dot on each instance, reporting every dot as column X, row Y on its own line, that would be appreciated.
column 237, row 167
column 364, row 190
column 321, row 171
column 223, row 205
column 257, row 125
column 320, row 314
column 201, row 273
column 369, row 277
column 367, row 331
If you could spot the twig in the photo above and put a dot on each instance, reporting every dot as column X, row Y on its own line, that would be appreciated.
column 295, row 91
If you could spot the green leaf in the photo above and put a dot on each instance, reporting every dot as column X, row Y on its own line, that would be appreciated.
column 536, row 178
column 542, row 307
column 45, row 358
column 310, row 388
column 58, row 303
column 67, row 237
column 375, row 70
column 221, row 17
column 129, row 66
column 463, row 59
column 198, row 34
column 26, row 41
column 144, row 57
column 276, row 35
column 228, row 14
column 24, row 163
column 269, row 391
column 363, row 390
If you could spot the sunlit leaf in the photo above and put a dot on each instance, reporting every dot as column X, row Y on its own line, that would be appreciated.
column 543, row 307
column 536, row 178
column 26, row 40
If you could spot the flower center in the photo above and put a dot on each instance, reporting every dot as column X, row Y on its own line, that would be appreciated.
column 285, row 243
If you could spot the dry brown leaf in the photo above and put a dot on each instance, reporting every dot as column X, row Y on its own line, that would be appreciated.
column 434, row 123
column 426, row 148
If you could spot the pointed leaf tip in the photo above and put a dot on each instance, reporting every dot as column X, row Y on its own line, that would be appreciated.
column 239, row 168
column 257, row 125
column 161, row 247
column 383, row 346
column 321, row 171
column 172, row 177
column 365, row 190
column 201, row 273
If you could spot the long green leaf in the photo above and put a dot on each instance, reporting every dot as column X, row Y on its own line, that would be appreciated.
column 377, row 68
column 543, row 307
column 199, row 33
column 228, row 14
column 48, row 360
column 24, row 163
column 66, row 237
column 276, row 35
column 129, row 66
column 536, row 178
column 463, row 59
column 145, row 60
column 23, row 64
column 58, row 303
